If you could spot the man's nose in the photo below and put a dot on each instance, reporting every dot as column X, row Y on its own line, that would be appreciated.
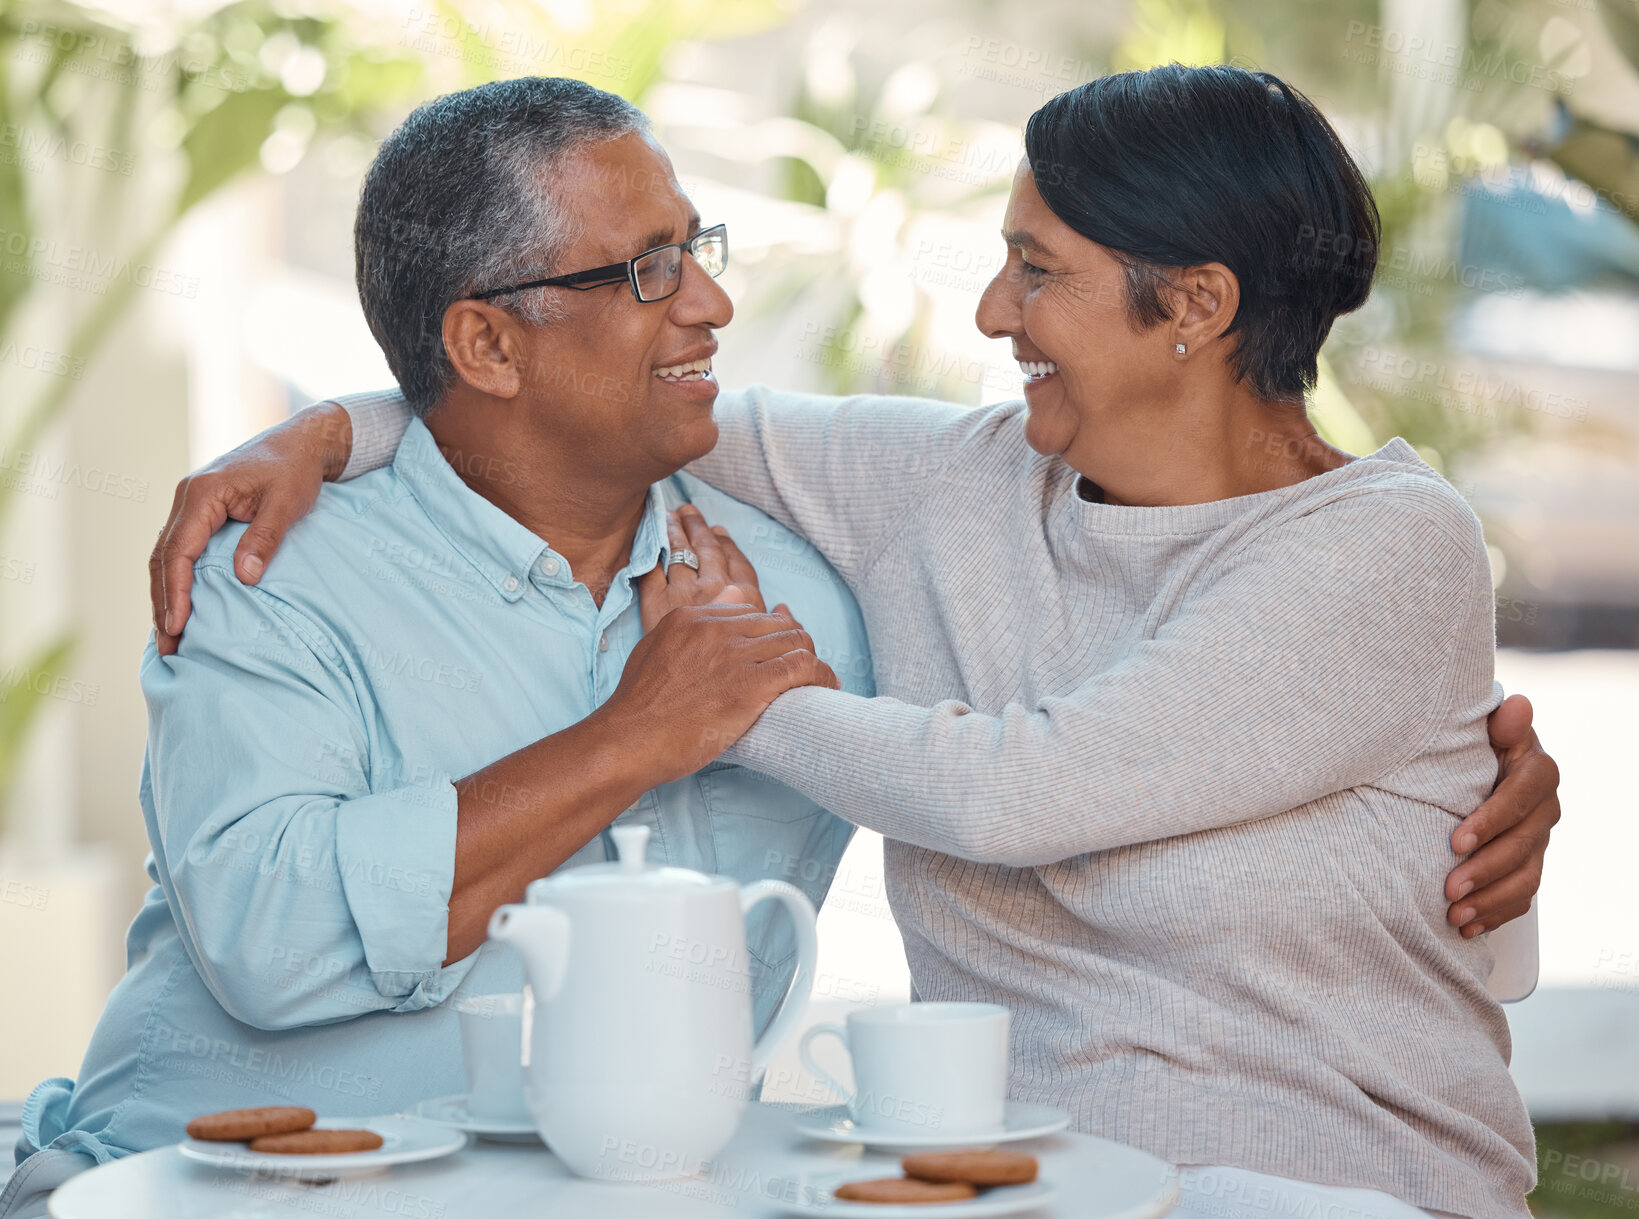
column 700, row 299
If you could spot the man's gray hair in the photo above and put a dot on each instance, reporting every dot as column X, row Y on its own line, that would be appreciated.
column 460, row 199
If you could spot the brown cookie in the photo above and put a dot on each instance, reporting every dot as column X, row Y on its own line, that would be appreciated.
column 237, row 1125
column 981, row 1168
column 317, row 1142
column 903, row 1192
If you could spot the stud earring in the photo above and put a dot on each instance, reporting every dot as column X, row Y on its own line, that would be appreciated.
column 1179, row 349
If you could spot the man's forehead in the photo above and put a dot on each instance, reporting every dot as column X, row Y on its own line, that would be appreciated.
column 627, row 198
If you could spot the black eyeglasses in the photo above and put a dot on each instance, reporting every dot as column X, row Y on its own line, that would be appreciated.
column 654, row 274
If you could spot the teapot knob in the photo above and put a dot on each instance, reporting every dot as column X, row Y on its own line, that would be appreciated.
column 632, row 842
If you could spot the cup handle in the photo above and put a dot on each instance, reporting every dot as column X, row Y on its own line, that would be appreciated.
column 802, row 983
column 819, row 1072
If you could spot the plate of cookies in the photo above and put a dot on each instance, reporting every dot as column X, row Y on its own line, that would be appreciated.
column 293, row 1141
column 942, row 1184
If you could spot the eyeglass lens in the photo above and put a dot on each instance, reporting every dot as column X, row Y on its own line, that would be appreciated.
column 658, row 274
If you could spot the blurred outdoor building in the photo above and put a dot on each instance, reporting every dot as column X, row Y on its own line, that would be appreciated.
column 177, row 183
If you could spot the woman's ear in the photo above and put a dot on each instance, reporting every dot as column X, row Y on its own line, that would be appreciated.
column 1209, row 296
column 485, row 347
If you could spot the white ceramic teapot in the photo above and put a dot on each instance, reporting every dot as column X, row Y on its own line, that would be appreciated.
column 637, row 1053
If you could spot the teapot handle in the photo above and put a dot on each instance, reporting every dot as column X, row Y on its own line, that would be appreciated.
column 802, row 984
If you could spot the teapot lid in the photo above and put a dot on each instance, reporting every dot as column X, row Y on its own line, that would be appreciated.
column 630, row 875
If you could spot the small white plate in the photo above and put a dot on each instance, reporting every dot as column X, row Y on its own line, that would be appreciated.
column 814, row 1196
column 453, row 1111
column 1021, row 1121
column 404, row 1140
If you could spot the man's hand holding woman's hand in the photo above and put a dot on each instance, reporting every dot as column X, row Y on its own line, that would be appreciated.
column 711, row 658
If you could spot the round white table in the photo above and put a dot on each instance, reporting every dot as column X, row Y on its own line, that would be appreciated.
column 1095, row 1179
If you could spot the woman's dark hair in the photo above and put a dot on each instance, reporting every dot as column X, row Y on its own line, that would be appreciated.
column 1174, row 167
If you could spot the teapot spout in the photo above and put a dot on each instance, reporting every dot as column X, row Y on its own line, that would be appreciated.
column 540, row 935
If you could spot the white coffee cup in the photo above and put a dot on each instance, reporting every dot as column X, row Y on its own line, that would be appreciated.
column 923, row 1068
column 492, row 1041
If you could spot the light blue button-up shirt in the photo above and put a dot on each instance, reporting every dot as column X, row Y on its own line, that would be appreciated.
column 298, row 798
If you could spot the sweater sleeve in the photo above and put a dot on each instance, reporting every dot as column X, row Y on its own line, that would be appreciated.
column 1320, row 657
column 379, row 419
column 840, row 471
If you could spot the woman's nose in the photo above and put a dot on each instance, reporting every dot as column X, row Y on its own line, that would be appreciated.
column 998, row 314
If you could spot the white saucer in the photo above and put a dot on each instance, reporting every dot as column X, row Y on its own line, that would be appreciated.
column 452, row 1111
column 1022, row 1121
column 404, row 1141
column 814, row 1197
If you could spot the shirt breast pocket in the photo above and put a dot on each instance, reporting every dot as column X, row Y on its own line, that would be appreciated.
column 762, row 828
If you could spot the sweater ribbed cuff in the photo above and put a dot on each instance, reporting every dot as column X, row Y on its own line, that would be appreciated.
column 379, row 419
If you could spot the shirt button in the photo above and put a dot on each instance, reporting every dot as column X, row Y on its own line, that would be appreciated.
column 549, row 566
column 511, row 584
column 603, row 642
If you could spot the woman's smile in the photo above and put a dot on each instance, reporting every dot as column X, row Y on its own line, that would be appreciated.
column 1037, row 371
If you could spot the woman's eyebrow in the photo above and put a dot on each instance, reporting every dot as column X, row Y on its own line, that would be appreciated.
column 1026, row 242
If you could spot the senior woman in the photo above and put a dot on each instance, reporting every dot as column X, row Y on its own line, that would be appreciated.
column 1178, row 705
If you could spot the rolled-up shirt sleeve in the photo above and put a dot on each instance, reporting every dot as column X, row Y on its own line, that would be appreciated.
column 304, row 891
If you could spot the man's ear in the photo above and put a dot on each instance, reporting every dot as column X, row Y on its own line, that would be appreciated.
column 1208, row 297
column 485, row 346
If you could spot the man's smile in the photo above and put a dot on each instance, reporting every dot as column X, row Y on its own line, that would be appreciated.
column 692, row 370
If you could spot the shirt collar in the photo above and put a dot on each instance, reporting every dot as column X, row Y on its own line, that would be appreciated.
column 499, row 547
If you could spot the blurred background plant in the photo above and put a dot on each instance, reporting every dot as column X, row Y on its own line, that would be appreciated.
column 167, row 108
column 165, row 115
column 892, row 137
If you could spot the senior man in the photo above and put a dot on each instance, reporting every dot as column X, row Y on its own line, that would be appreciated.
column 448, row 685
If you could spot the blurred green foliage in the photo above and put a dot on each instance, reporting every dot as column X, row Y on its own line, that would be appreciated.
column 189, row 103
column 1565, row 1150
column 175, row 110
column 126, row 133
